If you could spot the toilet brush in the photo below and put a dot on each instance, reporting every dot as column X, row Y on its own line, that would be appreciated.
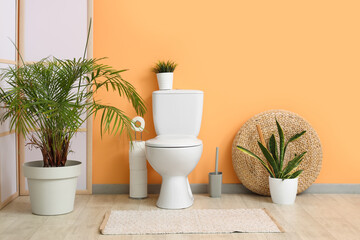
column 215, row 179
column 216, row 160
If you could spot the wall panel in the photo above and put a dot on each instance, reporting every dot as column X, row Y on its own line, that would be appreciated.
column 7, row 30
column 8, row 166
column 53, row 28
column 8, row 157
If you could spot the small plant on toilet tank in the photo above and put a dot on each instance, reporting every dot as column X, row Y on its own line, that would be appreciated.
column 165, row 74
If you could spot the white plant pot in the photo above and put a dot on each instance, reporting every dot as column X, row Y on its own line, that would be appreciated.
column 283, row 191
column 52, row 189
column 165, row 80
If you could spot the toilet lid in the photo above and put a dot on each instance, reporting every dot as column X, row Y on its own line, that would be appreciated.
column 173, row 142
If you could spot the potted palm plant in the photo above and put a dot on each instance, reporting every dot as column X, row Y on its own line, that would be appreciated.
column 283, row 180
column 165, row 74
column 46, row 101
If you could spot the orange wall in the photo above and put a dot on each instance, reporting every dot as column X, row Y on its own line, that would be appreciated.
column 247, row 57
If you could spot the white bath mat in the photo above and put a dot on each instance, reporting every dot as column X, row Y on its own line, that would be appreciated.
column 188, row 221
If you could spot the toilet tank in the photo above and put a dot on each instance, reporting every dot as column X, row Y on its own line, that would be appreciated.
column 177, row 112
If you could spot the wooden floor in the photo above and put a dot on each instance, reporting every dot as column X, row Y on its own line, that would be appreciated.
column 313, row 216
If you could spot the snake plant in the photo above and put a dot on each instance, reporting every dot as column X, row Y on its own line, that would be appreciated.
column 274, row 163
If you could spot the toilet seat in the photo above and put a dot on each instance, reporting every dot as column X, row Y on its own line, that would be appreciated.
column 172, row 141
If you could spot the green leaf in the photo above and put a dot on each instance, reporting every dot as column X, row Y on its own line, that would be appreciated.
column 269, row 159
column 282, row 145
column 293, row 138
column 294, row 163
column 273, row 148
column 162, row 66
column 296, row 174
column 244, row 150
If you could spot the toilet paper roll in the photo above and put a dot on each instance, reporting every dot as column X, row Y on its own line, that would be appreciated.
column 137, row 148
column 137, row 157
column 138, row 191
column 138, row 171
column 138, row 177
column 141, row 121
column 138, row 184
column 137, row 164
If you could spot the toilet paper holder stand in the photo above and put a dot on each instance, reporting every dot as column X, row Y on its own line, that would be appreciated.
column 138, row 128
column 137, row 163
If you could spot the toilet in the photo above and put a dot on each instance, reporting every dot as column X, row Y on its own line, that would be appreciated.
column 176, row 150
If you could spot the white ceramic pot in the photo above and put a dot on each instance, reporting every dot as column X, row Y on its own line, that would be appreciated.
column 165, row 80
column 52, row 189
column 283, row 191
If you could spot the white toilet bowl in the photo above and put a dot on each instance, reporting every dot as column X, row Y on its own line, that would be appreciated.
column 174, row 158
column 175, row 151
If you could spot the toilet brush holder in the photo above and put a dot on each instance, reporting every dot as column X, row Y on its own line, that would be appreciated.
column 215, row 182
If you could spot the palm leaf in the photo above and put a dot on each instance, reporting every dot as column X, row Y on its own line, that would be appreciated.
column 107, row 125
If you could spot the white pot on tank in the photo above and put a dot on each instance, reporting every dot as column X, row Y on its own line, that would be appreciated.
column 52, row 189
column 165, row 80
column 283, row 191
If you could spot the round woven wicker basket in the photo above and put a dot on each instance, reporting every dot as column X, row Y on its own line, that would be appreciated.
column 251, row 173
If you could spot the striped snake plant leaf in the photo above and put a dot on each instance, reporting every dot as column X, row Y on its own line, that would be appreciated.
column 293, row 138
column 296, row 174
column 282, row 144
column 293, row 164
column 269, row 159
column 244, row 150
column 273, row 148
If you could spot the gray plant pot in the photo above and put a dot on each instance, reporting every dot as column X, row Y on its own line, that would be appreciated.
column 52, row 189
